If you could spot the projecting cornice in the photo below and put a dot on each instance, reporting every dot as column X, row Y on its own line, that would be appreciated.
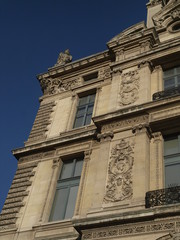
column 75, row 65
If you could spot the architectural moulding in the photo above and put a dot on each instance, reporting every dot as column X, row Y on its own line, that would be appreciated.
column 52, row 86
column 72, row 66
column 134, row 229
column 154, row 2
column 129, row 87
column 119, row 180
column 107, row 136
column 164, row 114
column 167, row 15
column 104, row 73
column 131, row 122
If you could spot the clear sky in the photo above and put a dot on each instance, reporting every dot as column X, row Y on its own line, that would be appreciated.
column 33, row 32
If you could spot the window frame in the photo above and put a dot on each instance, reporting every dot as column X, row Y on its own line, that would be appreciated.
column 174, row 76
column 170, row 159
column 86, row 107
column 66, row 183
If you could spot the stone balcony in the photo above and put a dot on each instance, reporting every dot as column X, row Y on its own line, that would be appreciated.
column 164, row 196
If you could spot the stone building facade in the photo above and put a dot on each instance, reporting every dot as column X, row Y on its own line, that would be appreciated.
column 102, row 160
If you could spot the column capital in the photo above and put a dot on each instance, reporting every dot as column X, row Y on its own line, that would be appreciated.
column 104, row 137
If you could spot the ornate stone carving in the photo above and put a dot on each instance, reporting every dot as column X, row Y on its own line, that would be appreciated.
column 119, row 183
column 168, row 15
column 125, row 123
column 64, row 58
column 133, row 229
column 155, row 2
column 129, row 88
column 107, row 136
column 120, row 55
column 52, row 86
column 104, row 73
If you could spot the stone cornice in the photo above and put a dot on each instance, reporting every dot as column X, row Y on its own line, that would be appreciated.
column 160, row 51
column 135, row 110
column 64, row 138
column 125, row 217
column 84, row 62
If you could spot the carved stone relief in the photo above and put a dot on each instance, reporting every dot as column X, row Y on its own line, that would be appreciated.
column 132, row 229
column 155, row 2
column 104, row 73
column 119, row 182
column 52, row 86
column 64, row 58
column 131, row 122
column 169, row 16
column 129, row 88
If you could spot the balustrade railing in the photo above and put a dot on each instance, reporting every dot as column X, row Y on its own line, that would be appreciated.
column 167, row 93
column 163, row 197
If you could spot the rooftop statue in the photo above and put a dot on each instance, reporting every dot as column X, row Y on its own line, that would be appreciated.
column 64, row 58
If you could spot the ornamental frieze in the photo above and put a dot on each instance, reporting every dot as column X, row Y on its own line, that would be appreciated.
column 129, row 88
column 125, row 123
column 51, row 86
column 119, row 182
column 133, row 229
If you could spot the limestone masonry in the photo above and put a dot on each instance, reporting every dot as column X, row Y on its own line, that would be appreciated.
column 102, row 160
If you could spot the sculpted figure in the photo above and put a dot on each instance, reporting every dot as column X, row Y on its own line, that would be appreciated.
column 64, row 58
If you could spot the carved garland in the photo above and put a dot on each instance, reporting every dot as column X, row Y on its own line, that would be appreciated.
column 119, row 183
column 129, row 88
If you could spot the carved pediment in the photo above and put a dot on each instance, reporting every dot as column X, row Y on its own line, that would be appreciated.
column 129, row 32
column 168, row 16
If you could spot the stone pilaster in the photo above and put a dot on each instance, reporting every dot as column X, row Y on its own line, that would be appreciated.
column 80, row 197
column 157, row 162
column 145, row 69
column 51, row 188
column 157, row 80
column 141, row 174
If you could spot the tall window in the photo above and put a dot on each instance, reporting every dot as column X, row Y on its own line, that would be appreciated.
column 67, row 189
column 172, row 160
column 171, row 78
column 84, row 111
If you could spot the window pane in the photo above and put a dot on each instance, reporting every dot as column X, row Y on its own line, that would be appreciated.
column 67, row 169
column 88, row 119
column 79, row 122
column 91, row 98
column 90, row 109
column 178, row 80
column 178, row 69
column 71, row 202
column 78, row 168
column 83, row 100
column 81, row 111
column 170, row 147
column 168, row 83
column 169, row 73
column 59, row 205
column 172, row 175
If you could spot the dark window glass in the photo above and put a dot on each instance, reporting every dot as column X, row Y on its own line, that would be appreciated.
column 172, row 160
column 84, row 111
column 66, row 190
column 171, row 78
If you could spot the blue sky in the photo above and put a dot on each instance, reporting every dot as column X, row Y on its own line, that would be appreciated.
column 33, row 32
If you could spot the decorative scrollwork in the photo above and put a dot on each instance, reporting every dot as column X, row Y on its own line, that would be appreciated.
column 52, row 86
column 129, row 88
column 119, row 183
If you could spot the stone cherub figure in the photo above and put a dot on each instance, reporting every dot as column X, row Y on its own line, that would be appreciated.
column 64, row 58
